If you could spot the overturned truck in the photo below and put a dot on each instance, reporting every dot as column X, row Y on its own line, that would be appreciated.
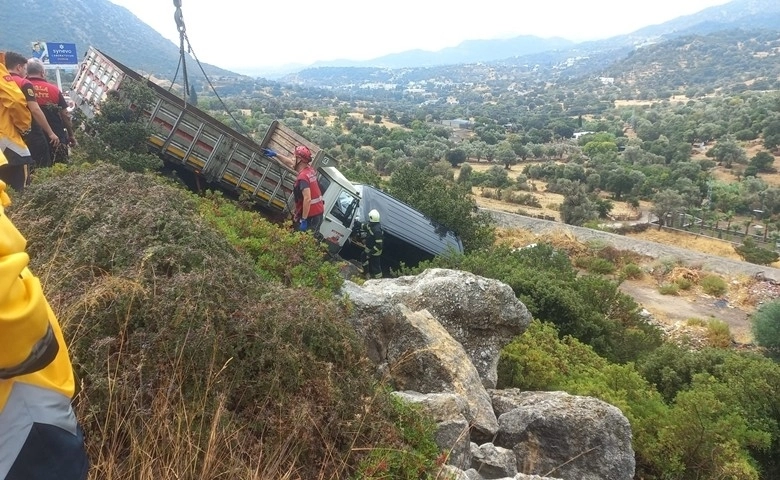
column 220, row 157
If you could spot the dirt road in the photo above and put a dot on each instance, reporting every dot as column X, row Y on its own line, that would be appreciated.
column 655, row 250
column 668, row 309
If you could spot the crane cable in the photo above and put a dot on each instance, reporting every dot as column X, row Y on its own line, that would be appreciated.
column 179, row 18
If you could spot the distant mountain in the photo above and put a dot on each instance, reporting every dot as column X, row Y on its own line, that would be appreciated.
column 738, row 14
column 470, row 51
column 99, row 23
column 746, row 14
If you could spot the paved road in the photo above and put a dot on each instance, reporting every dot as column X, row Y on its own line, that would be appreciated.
column 711, row 263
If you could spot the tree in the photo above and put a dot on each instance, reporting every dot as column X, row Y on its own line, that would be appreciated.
column 622, row 181
column 496, row 177
column 446, row 203
column 455, row 156
column 193, row 99
column 666, row 202
column 577, row 209
column 766, row 325
column 118, row 134
column 772, row 133
column 763, row 161
column 505, row 154
column 464, row 176
column 728, row 152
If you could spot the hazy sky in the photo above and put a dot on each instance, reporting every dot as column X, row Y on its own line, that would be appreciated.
column 246, row 34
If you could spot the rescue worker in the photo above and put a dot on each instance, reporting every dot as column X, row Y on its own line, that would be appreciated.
column 15, row 121
column 309, row 207
column 39, row 436
column 374, row 241
column 41, row 139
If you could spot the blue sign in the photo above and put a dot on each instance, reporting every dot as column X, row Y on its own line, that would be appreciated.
column 62, row 53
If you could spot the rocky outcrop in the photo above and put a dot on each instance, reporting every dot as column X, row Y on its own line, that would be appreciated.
column 565, row 435
column 437, row 337
column 481, row 314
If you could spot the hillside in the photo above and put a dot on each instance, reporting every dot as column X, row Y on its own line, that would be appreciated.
column 118, row 32
column 183, row 344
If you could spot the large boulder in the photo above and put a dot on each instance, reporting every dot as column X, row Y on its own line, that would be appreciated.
column 482, row 314
column 571, row 437
column 421, row 356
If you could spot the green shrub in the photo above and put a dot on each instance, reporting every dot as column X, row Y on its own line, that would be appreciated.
column 601, row 266
column 597, row 265
column 412, row 462
column 696, row 322
column 632, row 271
column 766, row 325
column 713, row 285
column 178, row 328
column 684, row 283
column 751, row 252
column 668, row 289
column 718, row 333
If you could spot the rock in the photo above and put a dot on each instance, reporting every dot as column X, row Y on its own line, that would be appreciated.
column 482, row 314
column 564, row 435
column 492, row 461
column 423, row 357
column 436, row 338
column 449, row 411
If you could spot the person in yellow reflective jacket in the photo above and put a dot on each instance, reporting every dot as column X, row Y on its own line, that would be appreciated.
column 15, row 121
column 39, row 436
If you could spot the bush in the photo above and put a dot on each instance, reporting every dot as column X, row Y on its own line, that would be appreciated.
column 597, row 265
column 527, row 199
column 668, row 289
column 718, row 333
column 632, row 271
column 766, row 325
column 713, row 285
column 176, row 330
column 449, row 204
column 750, row 252
column 684, row 283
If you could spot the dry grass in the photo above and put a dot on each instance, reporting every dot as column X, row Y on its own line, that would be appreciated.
column 689, row 241
column 190, row 364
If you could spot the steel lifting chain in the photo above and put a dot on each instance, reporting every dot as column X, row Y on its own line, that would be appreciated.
column 178, row 16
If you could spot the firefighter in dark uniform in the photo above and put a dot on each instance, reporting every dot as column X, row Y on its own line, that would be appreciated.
column 374, row 240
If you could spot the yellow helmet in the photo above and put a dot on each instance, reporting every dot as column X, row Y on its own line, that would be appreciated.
column 373, row 216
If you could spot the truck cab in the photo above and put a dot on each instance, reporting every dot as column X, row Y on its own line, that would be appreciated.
column 342, row 201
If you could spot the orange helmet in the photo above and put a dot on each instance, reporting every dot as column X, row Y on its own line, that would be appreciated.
column 303, row 153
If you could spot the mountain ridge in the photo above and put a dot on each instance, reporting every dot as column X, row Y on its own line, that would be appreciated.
column 122, row 35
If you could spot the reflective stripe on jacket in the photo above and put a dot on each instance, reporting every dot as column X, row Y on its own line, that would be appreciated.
column 374, row 238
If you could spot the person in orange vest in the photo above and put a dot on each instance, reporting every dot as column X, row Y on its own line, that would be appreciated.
column 55, row 109
column 40, row 438
column 309, row 205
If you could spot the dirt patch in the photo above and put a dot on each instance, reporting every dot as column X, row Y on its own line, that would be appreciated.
column 684, row 314
column 676, row 312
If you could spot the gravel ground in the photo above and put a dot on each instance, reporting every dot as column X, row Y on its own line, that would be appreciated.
column 710, row 263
